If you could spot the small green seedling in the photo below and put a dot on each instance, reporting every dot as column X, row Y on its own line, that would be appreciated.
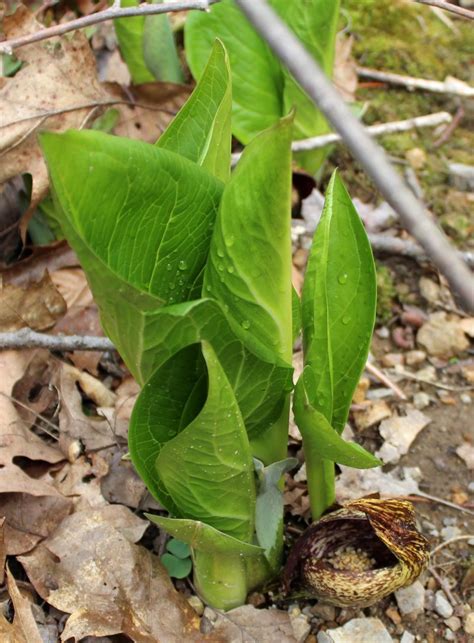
column 191, row 269
column 177, row 558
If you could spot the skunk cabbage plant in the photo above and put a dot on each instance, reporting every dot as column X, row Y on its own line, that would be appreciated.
column 190, row 266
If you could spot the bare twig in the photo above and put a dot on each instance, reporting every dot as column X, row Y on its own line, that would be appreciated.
column 27, row 338
column 442, row 501
column 448, row 86
column 371, row 156
column 402, row 374
column 379, row 375
column 111, row 13
column 407, row 248
column 450, row 542
column 444, row 586
column 449, row 129
column 447, row 6
column 392, row 127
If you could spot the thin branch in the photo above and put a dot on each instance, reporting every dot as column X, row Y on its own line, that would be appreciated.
column 392, row 127
column 447, row 6
column 27, row 338
column 384, row 379
column 371, row 156
column 446, row 543
column 405, row 247
column 448, row 86
column 111, row 13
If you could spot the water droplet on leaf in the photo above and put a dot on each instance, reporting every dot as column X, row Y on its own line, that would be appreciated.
column 342, row 279
column 182, row 265
column 346, row 319
column 245, row 324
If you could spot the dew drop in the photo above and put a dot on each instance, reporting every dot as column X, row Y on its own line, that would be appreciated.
column 169, row 266
column 220, row 252
column 180, row 282
column 171, row 285
column 220, row 267
column 229, row 241
column 208, row 288
column 346, row 319
column 342, row 279
column 245, row 324
column 230, row 269
column 182, row 265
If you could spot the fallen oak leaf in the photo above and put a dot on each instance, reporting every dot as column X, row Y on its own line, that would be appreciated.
column 92, row 569
column 36, row 306
column 247, row 624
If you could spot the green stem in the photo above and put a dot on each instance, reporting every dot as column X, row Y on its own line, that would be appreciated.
column 221, row 579
column 272, row 445
column 321, row 483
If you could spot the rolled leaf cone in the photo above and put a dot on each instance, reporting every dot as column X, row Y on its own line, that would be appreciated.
column 358, row 554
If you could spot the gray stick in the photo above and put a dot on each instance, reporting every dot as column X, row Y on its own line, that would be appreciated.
column 27, row 338
column 370, row 155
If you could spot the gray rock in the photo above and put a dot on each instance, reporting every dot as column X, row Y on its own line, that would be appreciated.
column 358, row 630
column 450, row 532
column 441, row 604
column 411, row 599
column 407, row 637
column 421, row 400
column 462, row 176
column 324, row 611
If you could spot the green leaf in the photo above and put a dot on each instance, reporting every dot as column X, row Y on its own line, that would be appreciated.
column 260, row 381
column 201, row 130
column 257, row 83
column 207, row 468
column 175, row 566
column 296, row 314
column 269, row 508
column 315, row 23
column 159, row 49
column 178, row 548
column 320, row 438
column 249, row 266
column 202, row 537
column 127, row 209
column 338, row 305
column 130, row 33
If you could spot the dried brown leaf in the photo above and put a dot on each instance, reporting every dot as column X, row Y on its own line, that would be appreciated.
column 59, row 76
column 156, row 105
column 91, row 569
column 24, row 628
column 345, row 68
column 37, row 305
column 247, row 624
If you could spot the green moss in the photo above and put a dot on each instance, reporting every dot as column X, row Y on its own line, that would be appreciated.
column 401, row 36
column 386, row 293
column 407, row 38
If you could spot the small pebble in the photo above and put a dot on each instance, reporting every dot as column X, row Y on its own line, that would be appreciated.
column 393, row 359
column 383, row 332
column 465, row 398
column 413, row 358
column 441, row 604
column 197, row 605
column 469, row 623
column 449, row 636
column 411, row 599
column 453, row 622
column 324, row 611
column 449, row 522
column 394, row 615
column 407, row 637
column 421, row 400
column 470, row 487
column 450, row 532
